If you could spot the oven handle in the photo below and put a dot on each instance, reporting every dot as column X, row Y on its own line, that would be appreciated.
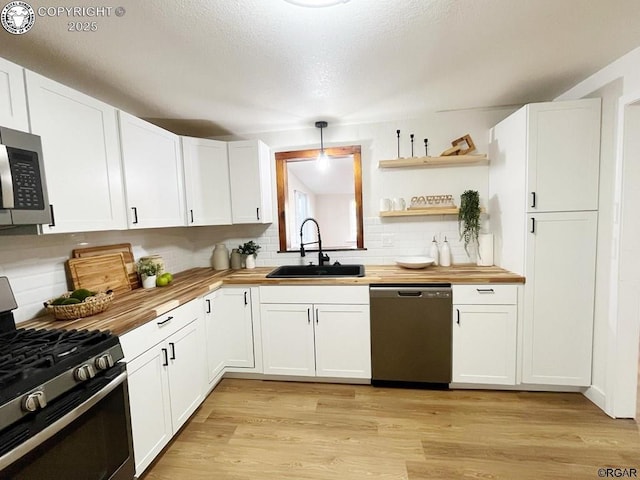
column 41, row 437
column 6, row 180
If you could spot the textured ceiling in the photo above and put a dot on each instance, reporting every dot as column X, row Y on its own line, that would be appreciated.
column 211, row 67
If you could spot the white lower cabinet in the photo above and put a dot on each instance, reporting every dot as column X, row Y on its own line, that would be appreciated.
column 216, row 342
column 315, row 339
column 165, row 367
column 234, row 309
column 485, row 334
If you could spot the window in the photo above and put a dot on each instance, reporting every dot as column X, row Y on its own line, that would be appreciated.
column 332, row 196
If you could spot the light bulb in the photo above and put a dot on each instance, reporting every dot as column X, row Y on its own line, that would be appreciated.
column 323, row 161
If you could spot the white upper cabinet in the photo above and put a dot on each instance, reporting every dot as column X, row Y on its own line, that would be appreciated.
column 13, row 102
column 206, row 171
column 250, row 174
column 153, row 174
column 563, row 156
column 81, row 157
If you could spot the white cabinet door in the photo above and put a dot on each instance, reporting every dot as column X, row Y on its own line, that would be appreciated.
column 81, row 157
column 235, row 309
column 153, row 174
column 186, row 365
column 342, row 339
column 484, row 344
column 13, row 101
column 150, row 406
column 250, row 175
column 216, row 342
column 287, row 339
column 563, row 156
column 559, row 298
column 206, row 168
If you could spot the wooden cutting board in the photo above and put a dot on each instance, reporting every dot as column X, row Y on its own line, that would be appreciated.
column 100, row 272
column 127, row 253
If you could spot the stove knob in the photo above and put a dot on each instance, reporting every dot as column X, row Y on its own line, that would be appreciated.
column 84, row 372
column 104, row 361
column 34, row 401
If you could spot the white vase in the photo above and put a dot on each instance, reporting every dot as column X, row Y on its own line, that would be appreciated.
column 148, row 281
column 250, row 261
column 485, row 250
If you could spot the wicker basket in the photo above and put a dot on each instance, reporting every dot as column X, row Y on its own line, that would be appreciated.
column 91, row 305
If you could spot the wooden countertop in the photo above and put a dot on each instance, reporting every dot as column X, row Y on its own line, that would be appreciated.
column 132, row 309
column 385, row 274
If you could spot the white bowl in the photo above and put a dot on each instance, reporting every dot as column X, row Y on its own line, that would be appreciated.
column 414, row 262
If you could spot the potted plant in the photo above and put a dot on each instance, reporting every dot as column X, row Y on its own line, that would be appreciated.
column 148, row 270
column 469, row 218
column 250, row 251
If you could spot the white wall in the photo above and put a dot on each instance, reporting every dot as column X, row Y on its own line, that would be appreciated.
column 612, row 331
column 333, row 215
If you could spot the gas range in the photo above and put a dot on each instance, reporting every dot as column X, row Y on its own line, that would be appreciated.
column 38, row 366
column 64, row 402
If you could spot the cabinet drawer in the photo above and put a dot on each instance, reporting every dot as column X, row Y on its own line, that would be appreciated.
column 487, row 294
column 144, row 337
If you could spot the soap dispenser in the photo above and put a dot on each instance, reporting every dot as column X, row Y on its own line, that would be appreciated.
column 433, row 252
column 445, row 254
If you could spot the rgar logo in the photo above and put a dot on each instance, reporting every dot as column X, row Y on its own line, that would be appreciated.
column 17, row 17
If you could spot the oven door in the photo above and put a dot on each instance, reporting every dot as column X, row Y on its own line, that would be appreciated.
column 91, row 442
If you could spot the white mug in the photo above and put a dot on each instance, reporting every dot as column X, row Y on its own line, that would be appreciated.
column 399, row 204
column 385, row 204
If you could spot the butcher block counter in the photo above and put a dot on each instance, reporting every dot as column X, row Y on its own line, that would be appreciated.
column 133, row 309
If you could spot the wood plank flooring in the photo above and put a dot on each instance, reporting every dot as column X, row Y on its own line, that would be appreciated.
column 251, row 429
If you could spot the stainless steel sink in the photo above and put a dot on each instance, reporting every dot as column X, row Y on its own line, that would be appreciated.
column 315, row 271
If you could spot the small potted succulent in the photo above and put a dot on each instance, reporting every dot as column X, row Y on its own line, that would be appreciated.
column 250, row 251
column 148, row 269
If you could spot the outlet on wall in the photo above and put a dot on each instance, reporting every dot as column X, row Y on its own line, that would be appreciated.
column 388, row 239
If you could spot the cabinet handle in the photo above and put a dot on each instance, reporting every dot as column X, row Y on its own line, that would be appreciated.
column 258, row 213
column 533, row 225
column 317, row 316
column 191, row 212
column 166, row 358
column 533, row 199
column 173, row 351
column 485, row 290
column 53, row 218
column 458, row 310
column 308, row 315
column 245, row 297
column 135, row 215
column 168, row 319
column 208, row 306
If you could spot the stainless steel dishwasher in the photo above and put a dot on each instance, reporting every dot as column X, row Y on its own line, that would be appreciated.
column 411, row 329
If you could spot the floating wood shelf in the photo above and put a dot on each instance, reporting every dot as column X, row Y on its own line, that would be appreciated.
column 452, row 160
column 424, row 211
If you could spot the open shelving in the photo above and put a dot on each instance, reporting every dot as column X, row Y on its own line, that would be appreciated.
column 453, row 160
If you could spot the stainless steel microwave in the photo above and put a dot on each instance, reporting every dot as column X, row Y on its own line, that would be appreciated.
column 23, row 189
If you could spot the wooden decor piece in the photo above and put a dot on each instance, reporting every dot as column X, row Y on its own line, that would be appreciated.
column 100, row 273
column 127, row 253
column 460, row 146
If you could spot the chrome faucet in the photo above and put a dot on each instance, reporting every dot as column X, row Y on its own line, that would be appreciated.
column 321, row 257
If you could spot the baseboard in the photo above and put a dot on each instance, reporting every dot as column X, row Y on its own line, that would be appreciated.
column 518, row 388
column 597, row 397
column 294, row 378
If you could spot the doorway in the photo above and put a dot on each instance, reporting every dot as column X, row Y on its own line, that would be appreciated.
column 623, row 377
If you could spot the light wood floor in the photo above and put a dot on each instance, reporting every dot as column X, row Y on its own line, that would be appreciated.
column 263, row 430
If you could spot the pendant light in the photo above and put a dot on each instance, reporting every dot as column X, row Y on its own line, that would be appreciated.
column 323, row 160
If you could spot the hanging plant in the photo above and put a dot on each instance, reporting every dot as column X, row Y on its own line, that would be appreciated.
column 469, row 218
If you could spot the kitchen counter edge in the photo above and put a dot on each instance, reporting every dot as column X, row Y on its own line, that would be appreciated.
column 133, row 309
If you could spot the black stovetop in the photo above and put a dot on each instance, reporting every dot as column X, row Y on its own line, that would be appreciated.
column 29, row 357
